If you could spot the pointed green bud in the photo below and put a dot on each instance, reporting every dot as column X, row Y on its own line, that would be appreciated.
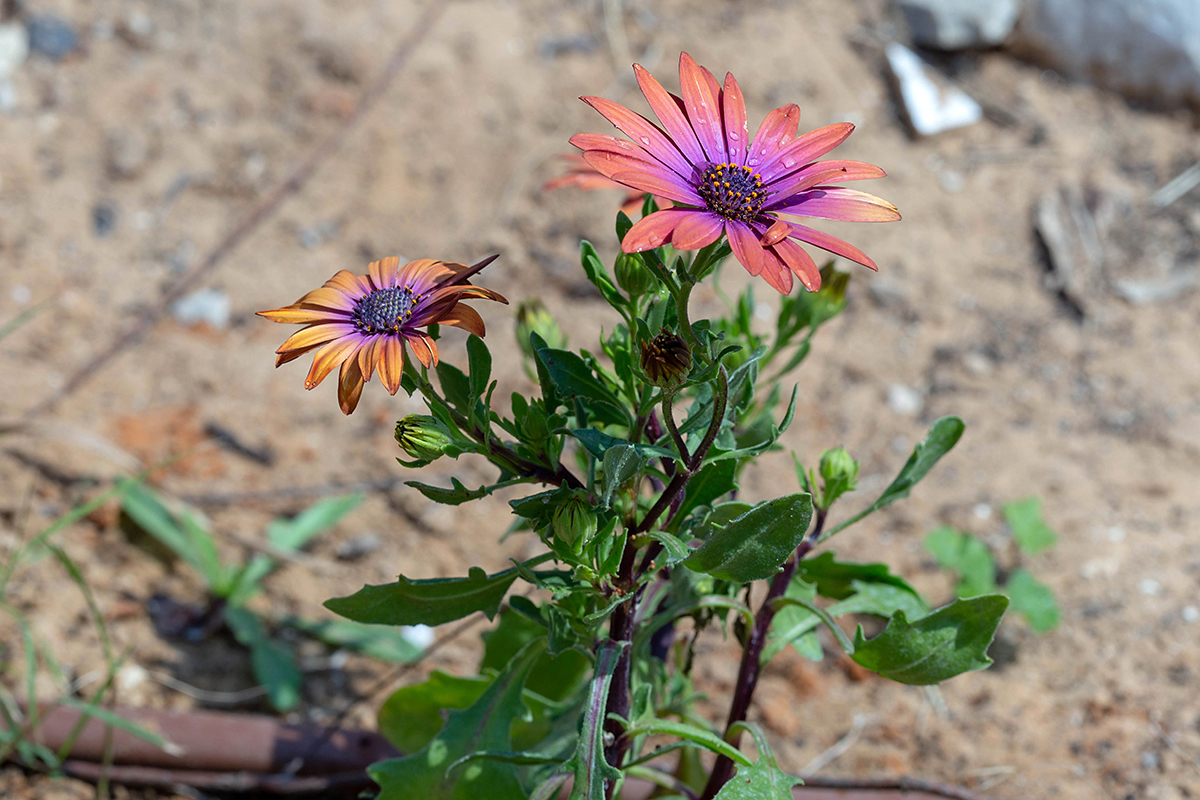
column 574, row 522
column 633, row 275
column 424, row 438
column 840, row 473
column 666, row 360
column 533, row 317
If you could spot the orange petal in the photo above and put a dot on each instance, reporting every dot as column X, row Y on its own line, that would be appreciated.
column 301, row 315
column 314, row 335
column 424, row 348
column 383, row 272
column 351, row 284
column 328, row 297
column 350, row 384
column 391, row 362
column 368, row 357
column 465, row 317
column 328, row 357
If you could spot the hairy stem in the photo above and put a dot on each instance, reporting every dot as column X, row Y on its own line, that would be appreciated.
column 751, row 666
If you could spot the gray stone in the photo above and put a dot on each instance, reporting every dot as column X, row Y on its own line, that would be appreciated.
column 1145, row 49
column 126, row 152
column 960, row 24
column 208, row 306
column 931, row 102
column 359, row 547
column 905, row 400
column 52, row 36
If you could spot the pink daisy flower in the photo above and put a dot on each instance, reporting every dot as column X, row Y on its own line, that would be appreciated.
column 724, row 183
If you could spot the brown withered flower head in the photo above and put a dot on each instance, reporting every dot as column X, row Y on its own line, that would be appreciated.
column 666, row 360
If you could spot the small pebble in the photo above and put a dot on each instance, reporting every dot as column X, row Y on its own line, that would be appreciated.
column 983, row 511
column 358, row 547
column 1191, row 614
column 52, row 36
column 22, row 294
column 1149, row 587
column 420, row 635
column 104, row 218
column 905, row 400
column 208, row 306
column 14, row 48
column 126, row 152
column 314, row 236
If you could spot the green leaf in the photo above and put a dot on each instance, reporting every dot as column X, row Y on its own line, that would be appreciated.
column 753, row 546
column 573, row 378
column 412, row 716
column 598, row 443
column 273, row 663
column 384, row 642
column 835, row 579
column 549, row 393
column 943, row 435
column 952, row 640
column 555, row 677
column 182, row 535
column 456, row 387
column 620, row 464
column 795, row 625
column 588, row 763
column 480, row 362
column 624, row 223
column 706, row 739
column 676, row 549
column 245, row 582
column 966, row 555
column 484, row 726
column 454, row 496
column 432, row 601
column 710, row 484
column 763, row 780
column 1032, row 533
column 292, row 534
column 1033, row 600
column 598, row 275
column 881, row 600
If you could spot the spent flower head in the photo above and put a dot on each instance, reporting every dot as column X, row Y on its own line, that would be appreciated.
column 724, row 183
column 666, row 360
column 364, row 323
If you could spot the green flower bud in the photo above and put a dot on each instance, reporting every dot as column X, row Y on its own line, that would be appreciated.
column 840, row 473
column 666, row 360
column 424, row 438
column 574, row 522
column 532, row 317
column 633, row 275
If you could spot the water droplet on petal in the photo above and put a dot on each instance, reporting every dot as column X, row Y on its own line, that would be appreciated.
column 645, row 140
column 653, row 238
column 788, row 161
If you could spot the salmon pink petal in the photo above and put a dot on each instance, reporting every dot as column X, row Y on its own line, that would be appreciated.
column 849, row 205
column 746, row 248
column 676, row 124
column 391, row 363
column 778, row 231
column 350, row 383
column 804, row 149
column 643, row 132
column 775, row 131
column 465, row 317
column 800, row 263
column 678, row 192
column 383, row 272
column 703, row 109
column 697, row 230
column 314, row 335
column 611, row 164
column 736, row 132
column 786, row 188
column 608, row 144
column 832, row 244
column 776, row 273
column 655, row 230
column 850, row 170
column 328, row 357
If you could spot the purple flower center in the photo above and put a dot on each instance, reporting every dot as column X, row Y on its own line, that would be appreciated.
column 384, row 310
column 732, row 191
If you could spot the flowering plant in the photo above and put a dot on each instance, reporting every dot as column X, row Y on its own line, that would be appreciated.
column 635, row 455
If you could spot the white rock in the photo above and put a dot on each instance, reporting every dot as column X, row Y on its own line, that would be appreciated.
column 1146, row 49
column 209, row 306
column 958, row 24
column 1149, row 587
column 1191, row 614
column 905, row 400
column 931, row 103
column 420, row 635
column 14, row 48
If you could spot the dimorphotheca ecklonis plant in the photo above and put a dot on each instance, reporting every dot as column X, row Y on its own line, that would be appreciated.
column 634, row 453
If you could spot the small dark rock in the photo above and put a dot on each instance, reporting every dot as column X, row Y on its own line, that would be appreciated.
column 359, row 547
column 52, row 37
column 104, row 218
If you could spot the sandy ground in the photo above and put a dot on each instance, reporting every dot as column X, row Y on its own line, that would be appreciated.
column 179, row 118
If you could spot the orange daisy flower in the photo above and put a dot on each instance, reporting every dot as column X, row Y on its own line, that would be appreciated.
column 363, row 322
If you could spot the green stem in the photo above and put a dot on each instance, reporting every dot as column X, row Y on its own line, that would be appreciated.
column 669, row 421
